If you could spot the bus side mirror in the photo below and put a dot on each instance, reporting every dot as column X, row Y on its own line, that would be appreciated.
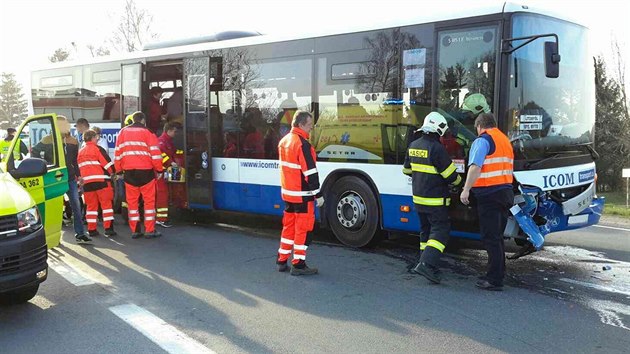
column 552, row 60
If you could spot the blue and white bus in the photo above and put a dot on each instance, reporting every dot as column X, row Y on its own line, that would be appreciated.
column 369, row 90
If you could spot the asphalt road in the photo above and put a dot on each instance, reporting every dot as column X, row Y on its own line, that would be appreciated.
column 214, row 287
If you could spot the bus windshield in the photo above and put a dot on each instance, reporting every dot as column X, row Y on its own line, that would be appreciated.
column 549, row 116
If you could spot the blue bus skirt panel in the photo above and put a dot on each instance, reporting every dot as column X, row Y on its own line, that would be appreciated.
column 266, row 199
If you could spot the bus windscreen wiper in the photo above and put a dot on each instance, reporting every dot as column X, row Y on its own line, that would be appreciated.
column 591, row 150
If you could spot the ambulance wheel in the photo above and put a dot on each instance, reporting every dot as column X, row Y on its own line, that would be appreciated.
column 353, row 212
column 19, row 296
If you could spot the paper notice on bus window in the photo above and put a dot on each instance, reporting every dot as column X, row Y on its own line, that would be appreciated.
column 531, row 118
column 531, row 126
column 414, row 78
column 415, row 56
column 460, row 165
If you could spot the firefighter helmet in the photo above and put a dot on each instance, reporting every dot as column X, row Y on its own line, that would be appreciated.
column 476, row 103
column 434, row 122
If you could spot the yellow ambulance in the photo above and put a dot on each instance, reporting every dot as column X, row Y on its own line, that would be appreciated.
column 31, row 204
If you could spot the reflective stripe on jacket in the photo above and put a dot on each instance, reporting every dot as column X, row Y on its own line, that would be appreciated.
column 94, row 164
column 137, row 149
column 498, row 166
column 431, row 169
column 298, row 173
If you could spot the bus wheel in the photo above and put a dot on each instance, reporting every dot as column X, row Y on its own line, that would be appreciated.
column 353, row 211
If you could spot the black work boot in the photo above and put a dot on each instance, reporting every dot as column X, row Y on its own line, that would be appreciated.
column 428, row 271
column 302, row 269
column 93, row 233
column 153, row 234
column 110, row 232
column 282, row 266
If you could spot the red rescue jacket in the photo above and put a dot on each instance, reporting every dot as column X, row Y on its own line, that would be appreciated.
column 298, row 174
column 137, row 149
column 94, row 164
column 167, row 148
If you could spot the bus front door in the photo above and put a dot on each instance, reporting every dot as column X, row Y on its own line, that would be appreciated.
column 197, row 133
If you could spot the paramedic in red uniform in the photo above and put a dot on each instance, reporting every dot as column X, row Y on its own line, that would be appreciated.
column 167, row 147
column 154, row 119
column 96, row 168
column 300, row 191
column 138, row 156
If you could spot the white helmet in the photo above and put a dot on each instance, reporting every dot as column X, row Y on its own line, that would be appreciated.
column 434, row 123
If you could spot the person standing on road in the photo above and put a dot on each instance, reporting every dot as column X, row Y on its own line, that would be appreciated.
column 490, row 168
column 300, row 191
column 82, row 125
column 167, row 147
column 19, row 150
column 138, row 156
column 96, row 168
column 431, row 170
column 71, row 150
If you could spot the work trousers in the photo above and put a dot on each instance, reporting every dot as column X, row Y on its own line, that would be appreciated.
column 436, row 227
column 493, row 212
column 161, row 200
column 133, row 194
column 103, row 198
column 298, row 220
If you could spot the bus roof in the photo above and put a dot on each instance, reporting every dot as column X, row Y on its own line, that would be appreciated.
column 168, row 52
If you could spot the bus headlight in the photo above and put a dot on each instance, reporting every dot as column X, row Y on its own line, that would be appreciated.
column 29, row 221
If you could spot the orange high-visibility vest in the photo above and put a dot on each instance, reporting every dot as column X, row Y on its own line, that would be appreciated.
column 498, row 167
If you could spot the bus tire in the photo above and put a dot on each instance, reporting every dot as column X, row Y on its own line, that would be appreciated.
column 353, row 212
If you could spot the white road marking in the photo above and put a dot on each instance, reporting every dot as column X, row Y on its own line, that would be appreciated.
column 612, row 228
column 70, row 274
column 596, row 286
column 161, row 333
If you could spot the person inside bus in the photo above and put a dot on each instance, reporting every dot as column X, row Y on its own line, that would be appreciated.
column 253, row 141
column 175, row 106
column 472, row 106
column 230, row 149
column 154, row 116
column 449, row 140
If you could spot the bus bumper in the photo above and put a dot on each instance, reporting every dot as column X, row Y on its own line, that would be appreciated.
column 556, row 219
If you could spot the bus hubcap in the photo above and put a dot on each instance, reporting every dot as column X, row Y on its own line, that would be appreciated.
column 351, row 211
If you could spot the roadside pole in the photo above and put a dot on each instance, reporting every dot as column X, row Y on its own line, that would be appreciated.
column 625, row 173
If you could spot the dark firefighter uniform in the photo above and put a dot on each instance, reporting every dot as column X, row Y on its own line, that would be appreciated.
column 95, row 167
column 300, row 187
column 139, row 157
column 432, row 170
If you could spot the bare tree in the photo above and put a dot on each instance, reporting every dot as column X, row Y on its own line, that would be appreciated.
column 134, row 28
column 98, row 51
column 61, row 54
column 620, row 72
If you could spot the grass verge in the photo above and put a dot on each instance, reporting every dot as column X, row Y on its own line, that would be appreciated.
column 615, row 204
